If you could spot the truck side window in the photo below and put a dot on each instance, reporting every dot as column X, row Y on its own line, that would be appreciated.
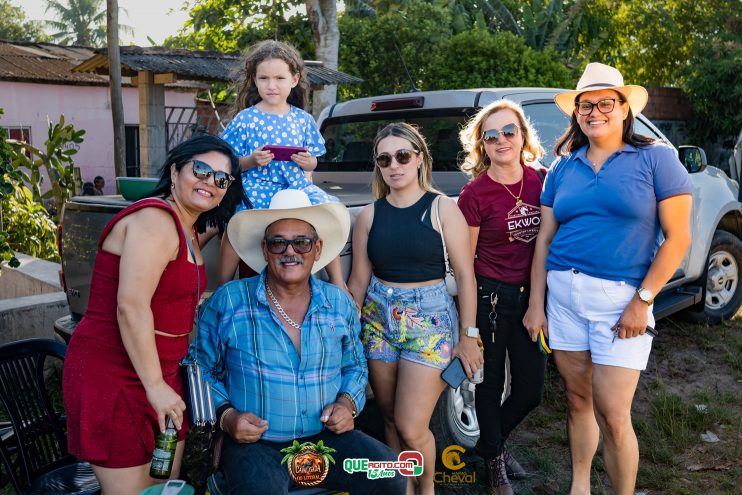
column 550, row 123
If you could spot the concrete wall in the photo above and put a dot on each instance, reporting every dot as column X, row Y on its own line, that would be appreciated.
column 87, row 107
column 31, row 299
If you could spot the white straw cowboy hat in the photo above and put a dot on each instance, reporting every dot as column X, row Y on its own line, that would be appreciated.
column 600, row 76
column 331, row 221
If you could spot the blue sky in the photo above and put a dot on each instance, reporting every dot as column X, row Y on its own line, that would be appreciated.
column 148, row 17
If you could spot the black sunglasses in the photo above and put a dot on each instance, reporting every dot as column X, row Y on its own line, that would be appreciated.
column 301, row 245
column 203, row 171
column 403, row 157
column 605, row 105
column 509, row 132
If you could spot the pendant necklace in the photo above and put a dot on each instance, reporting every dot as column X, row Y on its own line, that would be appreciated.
column 280, row 308
column 517, row 199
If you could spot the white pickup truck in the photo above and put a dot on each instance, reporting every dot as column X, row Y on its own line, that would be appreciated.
column 706, row 285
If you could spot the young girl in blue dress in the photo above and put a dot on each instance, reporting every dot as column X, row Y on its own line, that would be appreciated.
column 268, row 111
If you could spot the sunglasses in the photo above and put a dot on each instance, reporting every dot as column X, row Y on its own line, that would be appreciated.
column 301, row 245
column 203, row 171
column 509, row 132
column 605, row 105
column 403, row 157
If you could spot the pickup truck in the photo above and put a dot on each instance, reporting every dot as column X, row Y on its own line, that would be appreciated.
column 706, row 285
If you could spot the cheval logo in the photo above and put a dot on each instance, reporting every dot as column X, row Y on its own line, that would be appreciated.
column 451, row 457
column 454, row 473
column 523, row 222
column 308, row 464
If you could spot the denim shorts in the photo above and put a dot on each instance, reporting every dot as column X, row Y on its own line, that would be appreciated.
column 418, row 325
column 581, row 311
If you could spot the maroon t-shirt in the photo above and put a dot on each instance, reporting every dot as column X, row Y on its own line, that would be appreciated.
column 507, row 231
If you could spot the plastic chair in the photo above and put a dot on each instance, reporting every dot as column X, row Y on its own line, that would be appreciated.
column 35, row 455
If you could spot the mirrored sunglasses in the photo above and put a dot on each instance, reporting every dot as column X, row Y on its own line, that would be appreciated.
column 605, row 105
column 301, row 245
column 509, row 132
column 203, row 171
column 403, row 157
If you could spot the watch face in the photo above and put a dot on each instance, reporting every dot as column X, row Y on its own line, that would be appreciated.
column 472, row 332
column 645, row 295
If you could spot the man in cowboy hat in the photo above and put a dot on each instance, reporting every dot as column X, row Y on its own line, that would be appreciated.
column 283, row 354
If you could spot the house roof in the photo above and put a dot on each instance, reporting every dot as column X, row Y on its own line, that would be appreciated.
column 195, row 64
column 45, row 63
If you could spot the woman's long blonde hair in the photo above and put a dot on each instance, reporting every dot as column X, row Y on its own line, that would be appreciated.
column 410, row 133
column 476, row 160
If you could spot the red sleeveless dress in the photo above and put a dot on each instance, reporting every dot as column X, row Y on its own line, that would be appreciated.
column 110, row 423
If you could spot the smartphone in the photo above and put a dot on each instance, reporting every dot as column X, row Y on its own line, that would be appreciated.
column 283, row 153
column 454, row 373
column 173, row 487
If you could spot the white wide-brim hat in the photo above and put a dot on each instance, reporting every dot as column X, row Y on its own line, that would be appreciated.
column 331, row 221
column 600, row 76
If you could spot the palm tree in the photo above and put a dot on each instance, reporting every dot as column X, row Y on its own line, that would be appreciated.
column 80, row 22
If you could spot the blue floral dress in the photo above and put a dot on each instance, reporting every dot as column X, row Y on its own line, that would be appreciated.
column 252, row 128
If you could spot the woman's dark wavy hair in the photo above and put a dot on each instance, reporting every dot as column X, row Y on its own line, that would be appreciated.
column 181, row 155
column 574, row 138
column 247, row 90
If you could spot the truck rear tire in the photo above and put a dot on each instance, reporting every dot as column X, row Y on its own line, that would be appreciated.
column 723, row 281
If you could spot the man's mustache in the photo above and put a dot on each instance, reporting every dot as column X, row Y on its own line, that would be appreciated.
column 291, row 259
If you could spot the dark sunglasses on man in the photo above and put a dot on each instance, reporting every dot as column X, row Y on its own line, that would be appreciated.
column 279, row 245
column 509, row 132
column 403, row 157
column 203, row 171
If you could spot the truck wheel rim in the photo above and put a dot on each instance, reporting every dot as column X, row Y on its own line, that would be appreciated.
column 463, row 411
column 721, row 283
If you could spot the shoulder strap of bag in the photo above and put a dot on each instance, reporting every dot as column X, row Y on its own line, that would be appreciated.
column 541, row 174
column 440, row 231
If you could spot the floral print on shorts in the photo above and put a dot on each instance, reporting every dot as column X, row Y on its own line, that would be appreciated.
column 413, row 324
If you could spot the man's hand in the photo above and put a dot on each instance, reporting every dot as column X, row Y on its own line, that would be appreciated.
column 337, row 417
column 244, row 427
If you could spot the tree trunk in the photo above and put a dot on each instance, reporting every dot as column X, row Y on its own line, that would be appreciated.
column 117, row 105
column 323, row 17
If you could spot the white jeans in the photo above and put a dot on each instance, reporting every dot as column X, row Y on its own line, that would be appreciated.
column 581, row 311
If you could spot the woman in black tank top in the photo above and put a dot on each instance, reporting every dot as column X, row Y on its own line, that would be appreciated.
column 410, row 323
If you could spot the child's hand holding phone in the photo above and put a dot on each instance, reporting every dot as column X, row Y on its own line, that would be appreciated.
column 305, row 160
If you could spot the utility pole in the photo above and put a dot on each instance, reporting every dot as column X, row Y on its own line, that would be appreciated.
column 114, row 80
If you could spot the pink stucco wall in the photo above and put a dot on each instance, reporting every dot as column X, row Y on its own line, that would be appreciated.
column 87, row 107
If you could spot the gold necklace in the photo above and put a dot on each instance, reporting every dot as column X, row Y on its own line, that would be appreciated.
column 176, row 205
column 517, row 199
column 281, row 312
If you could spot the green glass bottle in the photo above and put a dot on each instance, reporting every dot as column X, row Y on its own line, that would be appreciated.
column 164, row 454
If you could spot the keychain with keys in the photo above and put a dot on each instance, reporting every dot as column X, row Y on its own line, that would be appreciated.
column 493, row 314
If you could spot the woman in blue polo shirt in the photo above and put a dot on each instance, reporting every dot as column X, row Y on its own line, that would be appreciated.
column 604, row 205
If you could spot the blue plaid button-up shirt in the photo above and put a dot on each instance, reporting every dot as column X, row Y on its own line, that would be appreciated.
column 251, row 362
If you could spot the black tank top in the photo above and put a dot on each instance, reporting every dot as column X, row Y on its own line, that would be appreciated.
column 402, row 244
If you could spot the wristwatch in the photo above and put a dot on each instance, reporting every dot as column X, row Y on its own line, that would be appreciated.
column 645, row 296
column 472, row 332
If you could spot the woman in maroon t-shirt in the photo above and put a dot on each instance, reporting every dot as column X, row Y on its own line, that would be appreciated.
column 501, row 205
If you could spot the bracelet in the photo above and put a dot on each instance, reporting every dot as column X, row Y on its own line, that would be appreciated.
column 354, row 408
column 221, row 418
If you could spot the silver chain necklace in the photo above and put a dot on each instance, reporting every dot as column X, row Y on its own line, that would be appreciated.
column 280, row 308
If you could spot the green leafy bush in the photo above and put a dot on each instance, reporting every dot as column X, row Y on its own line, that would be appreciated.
column 480, row 59
column 25, row 225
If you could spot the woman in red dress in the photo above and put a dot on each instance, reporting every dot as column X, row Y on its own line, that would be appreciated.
column 121, row 377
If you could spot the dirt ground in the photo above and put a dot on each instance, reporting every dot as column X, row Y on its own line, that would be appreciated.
column 692, row 386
